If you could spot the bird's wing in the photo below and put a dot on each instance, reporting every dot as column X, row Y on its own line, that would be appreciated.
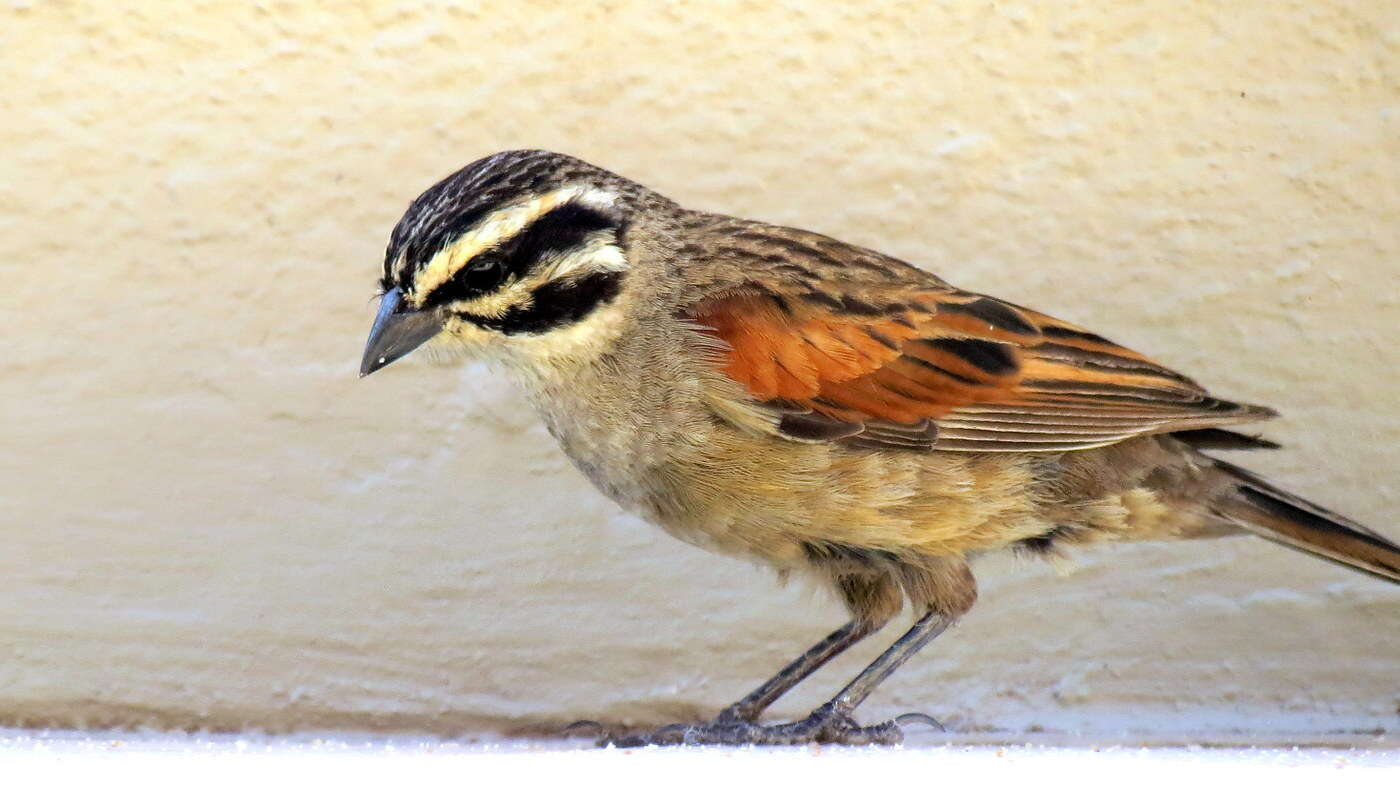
column 931, row 367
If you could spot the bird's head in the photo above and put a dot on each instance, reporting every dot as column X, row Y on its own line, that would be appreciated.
column 511, row 248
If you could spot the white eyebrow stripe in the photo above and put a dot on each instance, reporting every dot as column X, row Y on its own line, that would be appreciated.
column 496, row 227
column 599, row 252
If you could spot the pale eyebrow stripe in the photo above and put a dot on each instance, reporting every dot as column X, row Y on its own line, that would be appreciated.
column 494, row 228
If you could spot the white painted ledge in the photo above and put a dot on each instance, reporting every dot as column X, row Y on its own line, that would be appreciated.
column 229, row 759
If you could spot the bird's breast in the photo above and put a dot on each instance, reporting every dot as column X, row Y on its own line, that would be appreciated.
column 659, row 452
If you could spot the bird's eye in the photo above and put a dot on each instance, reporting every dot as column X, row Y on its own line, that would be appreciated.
column 484, row 274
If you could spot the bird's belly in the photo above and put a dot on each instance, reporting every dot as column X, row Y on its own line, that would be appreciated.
column 673, row 463
column 779, row 501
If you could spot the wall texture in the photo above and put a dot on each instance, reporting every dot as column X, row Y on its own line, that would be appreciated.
column 209, row 522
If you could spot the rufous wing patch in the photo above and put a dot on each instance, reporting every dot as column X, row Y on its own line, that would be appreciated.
column 947, row 370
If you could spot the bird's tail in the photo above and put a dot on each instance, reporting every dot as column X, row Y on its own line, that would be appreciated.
column 1265, row 510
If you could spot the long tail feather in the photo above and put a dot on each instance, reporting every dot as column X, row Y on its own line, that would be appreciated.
column 1266, row 510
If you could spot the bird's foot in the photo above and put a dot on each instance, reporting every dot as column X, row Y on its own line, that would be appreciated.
column 827, row 724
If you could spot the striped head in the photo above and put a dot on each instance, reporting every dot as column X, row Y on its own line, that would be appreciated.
column 516, row 245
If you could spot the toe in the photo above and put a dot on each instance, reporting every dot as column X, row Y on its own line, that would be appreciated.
column 736, row 714
column 669, row 735
column 904, row 719
column 584, row 728
column 826, row 725
column 830, row 725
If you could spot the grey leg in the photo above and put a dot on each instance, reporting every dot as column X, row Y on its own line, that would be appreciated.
column 750, row 707
column 924, row 631
column 831, row 723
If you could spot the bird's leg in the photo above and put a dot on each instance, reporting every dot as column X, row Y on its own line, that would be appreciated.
column 737, row 718
column 837, row 711
column 830, row 723
column 837, row 642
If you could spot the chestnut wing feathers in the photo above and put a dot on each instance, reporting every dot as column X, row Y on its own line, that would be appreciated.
column 912, row 363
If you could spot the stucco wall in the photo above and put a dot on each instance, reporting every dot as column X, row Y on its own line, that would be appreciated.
column 208, row 521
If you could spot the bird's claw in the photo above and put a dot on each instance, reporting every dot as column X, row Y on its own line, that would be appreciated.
column 825, row 725
column 919, row 718
column 584, row 727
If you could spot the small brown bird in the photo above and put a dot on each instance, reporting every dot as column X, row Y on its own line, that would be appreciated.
column 775, row 394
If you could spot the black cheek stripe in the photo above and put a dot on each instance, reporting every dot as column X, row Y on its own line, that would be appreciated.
column 555, row 304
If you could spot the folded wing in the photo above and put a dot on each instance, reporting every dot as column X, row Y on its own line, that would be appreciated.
column 943, row 369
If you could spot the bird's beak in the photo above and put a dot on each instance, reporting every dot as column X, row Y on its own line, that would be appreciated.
column 398, row 330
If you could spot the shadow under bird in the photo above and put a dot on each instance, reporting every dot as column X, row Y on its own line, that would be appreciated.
column 779, row 395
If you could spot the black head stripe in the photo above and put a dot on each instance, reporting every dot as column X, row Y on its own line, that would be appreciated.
column 416, row 253
column 556, row 304
column 557, row 231
column 561, row 229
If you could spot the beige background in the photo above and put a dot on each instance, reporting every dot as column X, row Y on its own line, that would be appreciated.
column 209, row 522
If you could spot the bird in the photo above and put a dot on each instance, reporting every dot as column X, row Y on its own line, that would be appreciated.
column 781, row 396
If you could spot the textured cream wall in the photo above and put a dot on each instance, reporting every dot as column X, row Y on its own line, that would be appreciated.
column 208, row 521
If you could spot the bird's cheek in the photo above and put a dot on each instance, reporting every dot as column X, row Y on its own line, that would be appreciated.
column 462, row 336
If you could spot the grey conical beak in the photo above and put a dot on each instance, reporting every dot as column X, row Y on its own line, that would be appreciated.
column 398, row 330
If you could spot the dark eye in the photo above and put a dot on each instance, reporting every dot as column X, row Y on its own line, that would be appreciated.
column 484, row 274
